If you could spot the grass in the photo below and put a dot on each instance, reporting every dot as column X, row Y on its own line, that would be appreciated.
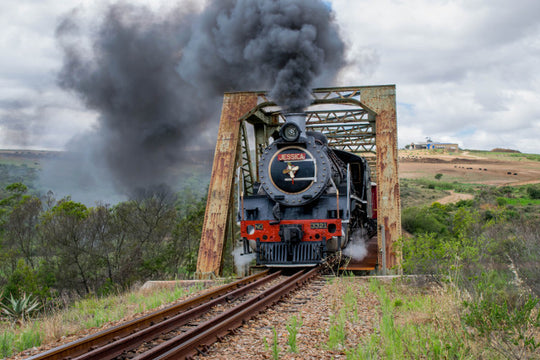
column 505, row 155
column 85, row 314
column 292, row 328
column 416, row 321
column 413, row 324
column 337, row 333
column 522, row 201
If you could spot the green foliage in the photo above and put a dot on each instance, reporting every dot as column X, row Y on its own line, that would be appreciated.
column 336, row 332
column 70, row 209
column 438, row 176
column 510, row 329
column 424, row 340
column 490, row 256
column 532, row 157
column 24, row 279
column 7, row 339
column 351, row 304
column 275, row 345
column 292, row 328
column 533, row 191
column 20, row 309
column 424, row 220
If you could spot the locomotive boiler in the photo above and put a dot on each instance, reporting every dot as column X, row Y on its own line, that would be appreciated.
column 310, row 201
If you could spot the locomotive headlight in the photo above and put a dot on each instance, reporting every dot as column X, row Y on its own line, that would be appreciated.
column 290, row 132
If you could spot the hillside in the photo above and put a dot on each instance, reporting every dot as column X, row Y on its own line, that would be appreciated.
column 471, row 167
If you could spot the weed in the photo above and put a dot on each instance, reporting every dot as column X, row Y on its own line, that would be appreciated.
column 351, row 304
column 275, row 345
column 6, row 343
column 413, row 340
column 292, row 327
column 29, row 338
column 365, row 350
column 337, row 333
column 510, row 330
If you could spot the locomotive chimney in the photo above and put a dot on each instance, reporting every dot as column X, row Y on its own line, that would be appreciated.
column 299, row 119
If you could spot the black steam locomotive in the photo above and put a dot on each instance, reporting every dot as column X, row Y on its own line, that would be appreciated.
column 310, row 201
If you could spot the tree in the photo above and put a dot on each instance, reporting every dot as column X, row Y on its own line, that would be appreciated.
column 145, row 225
column 63, row 233
column 438, row 176
column 21, row 228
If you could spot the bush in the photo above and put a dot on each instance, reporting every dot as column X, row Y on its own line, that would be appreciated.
column 533, row 192
column 508, row 329
column 425, row 220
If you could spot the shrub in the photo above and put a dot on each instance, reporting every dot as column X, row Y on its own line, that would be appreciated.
column 533, row 192
column 508, row 329
column 424, row 220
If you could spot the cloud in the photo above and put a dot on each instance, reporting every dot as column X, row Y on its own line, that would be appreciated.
column 465, row 71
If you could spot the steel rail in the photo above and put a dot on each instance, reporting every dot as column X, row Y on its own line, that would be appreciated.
column 101, row 338
column 120, row 346
column 187, row 344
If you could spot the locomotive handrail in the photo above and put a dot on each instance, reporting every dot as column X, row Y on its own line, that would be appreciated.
column 348, row 192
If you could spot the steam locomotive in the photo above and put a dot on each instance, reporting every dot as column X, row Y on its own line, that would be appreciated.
column 310, row 202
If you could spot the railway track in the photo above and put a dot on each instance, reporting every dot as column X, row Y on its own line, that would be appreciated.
column 187, row 330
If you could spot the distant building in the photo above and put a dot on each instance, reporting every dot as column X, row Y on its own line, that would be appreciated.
column 430, row 145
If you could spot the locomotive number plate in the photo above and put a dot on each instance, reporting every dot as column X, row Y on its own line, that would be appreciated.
column 291, row 157
column 320, row 225
column 259, row 227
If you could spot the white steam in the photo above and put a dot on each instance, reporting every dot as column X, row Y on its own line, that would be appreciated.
column 357, row 248
column 241, row 260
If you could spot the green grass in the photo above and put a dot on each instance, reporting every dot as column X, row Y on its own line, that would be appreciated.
column 522, row 201
column 292, row 328
column 532, row 157
column 84, row 314
column 337, row 333
column 11, row 341
column 412, row 325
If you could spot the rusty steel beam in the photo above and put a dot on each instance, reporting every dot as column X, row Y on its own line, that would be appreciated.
column 235, row 105
column 382, row 100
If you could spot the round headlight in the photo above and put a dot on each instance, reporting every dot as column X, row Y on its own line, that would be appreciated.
column 290, row 132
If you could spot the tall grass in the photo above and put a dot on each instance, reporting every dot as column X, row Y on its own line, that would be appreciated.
column 84, row 314
column 422, row 332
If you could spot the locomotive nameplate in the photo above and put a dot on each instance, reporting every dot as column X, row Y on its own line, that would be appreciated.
column 292, row 157
column 319, row 225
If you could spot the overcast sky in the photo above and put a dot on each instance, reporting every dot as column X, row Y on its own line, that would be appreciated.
column 465, row 71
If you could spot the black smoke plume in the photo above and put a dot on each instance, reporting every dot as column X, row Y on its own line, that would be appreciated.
column 156, row 79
